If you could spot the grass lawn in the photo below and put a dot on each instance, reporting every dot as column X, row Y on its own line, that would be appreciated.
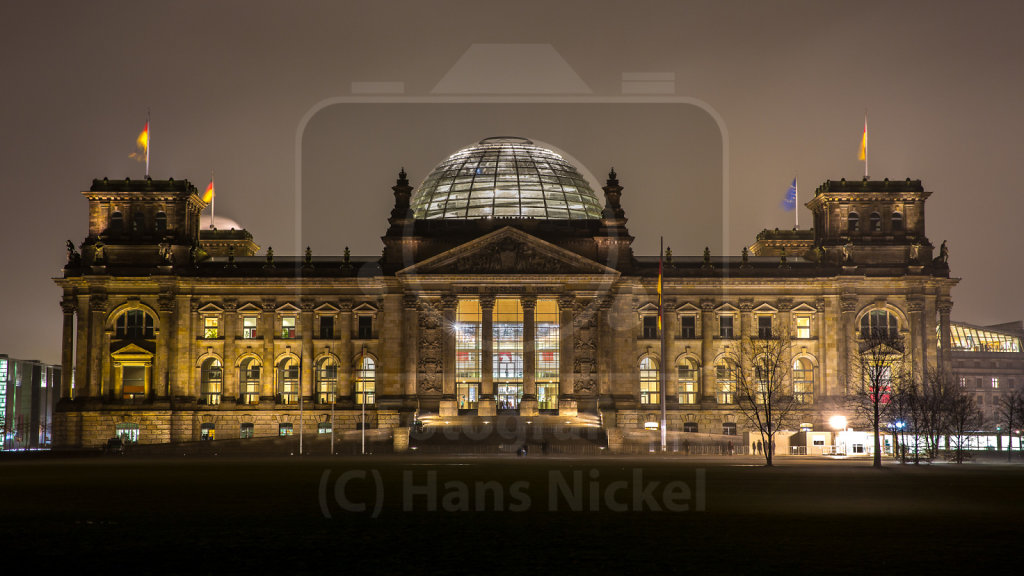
column 728, row 515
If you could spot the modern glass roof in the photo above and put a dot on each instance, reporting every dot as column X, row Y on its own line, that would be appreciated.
column 506, row 177
column 967, row 338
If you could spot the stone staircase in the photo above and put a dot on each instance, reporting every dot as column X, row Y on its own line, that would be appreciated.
column 580, row 435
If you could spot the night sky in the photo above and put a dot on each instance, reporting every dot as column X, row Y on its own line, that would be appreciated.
column 234, row 89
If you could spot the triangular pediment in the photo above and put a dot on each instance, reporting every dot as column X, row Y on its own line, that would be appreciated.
column 804, row 308
column 129, row 352
column 687, row 308
column 766, row 308
column 249, row 308
column 508, row 251
column 327, row 308
column 648, row 309
column 288, row 308
column 211, row 308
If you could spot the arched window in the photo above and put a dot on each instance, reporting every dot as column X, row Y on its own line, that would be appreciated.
column 897, row 222
column 288, row 380
column 852, row 222
column 366, row 380
column 649, row 380
column 879, row 324
column 326, row 380
column 134, row 324
column 160, row 223
column 803, row 381
column 725, row 377
column 211, row 379
column 116, row 227
column 249, row 380
column 876, row 221
column 687, row 382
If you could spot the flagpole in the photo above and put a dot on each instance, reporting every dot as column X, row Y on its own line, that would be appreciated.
column 796, row 202
column 865, row 144
column 301, row 358
column 213, row 203
column 662, row 376
column 149, row 141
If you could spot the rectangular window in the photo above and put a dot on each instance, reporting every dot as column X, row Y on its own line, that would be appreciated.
column 323, row 428
column 284, row 429
column 249, row 327
column 725, row 327
column 133, row 381
column 365, row 328
column 507, row 359
column 468, row 318
column 288, row 327
column 688, row 325
column 128, row 432
column 995, row 382
column 803, row 327
column 327, row 327
column 764, row 327
column 729, row 428
column 726, row 379
column 246, row 430
column 211, row 327
column 650, row 328
column 687, row 384
column 547, row 350
column 207, row 432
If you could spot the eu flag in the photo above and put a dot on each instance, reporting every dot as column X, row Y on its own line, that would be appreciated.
column 789, row 202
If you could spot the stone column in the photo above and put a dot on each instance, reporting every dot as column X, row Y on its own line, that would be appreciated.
column 196, row 324
column 163, row 359
column 528, row 404
column 946, row 338
column 566, row 399
column 410, row 322
column 449, row 404
column 111, row 385
column 308, row 364
column 180, row 369
column 668, row 362
column 785, row 330
column 746, row 333
column 487, row 405
column 707, row 351
column 825, row 349
column 229, row 373
column 847, row 341
column 67, row 346
column 345, row 351
column 915, row 306
column 83, row 389
column 97, row 314
column 267, row 327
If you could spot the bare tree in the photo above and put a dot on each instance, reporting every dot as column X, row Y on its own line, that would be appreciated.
column 899, row 412
column 963, row 417
column 935, row 403
column 763, row 391
column 1010, row 412
column 877, row 369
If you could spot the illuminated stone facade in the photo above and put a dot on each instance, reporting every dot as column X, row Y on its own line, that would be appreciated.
column 173, row 341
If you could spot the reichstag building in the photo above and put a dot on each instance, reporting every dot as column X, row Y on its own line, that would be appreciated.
column 506, row 285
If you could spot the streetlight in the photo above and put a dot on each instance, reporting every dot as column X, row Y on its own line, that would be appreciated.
column 838, row 423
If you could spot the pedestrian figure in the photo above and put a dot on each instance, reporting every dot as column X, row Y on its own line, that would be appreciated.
column 773, row 447
column 760, row 447
column 731, row 448
column 753, row 448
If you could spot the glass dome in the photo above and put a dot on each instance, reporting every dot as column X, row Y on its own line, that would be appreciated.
column 505, row 177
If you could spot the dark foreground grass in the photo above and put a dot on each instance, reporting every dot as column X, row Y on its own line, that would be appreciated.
column 532, row 515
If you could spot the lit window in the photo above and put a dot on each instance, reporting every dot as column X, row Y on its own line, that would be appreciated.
column 211, row 376
column 547, row 343
column 284, row 429
column 366, row 381
column 249, row 380
column 133, row 380
column 128, row 432
column 249, row 327
column 995, row 382
column 725, row 376
column 468, row 318
column 326, row 380
column 725, row 327
column 207, row 432
column 803, row 381
column 211, row 325
column 687, row 382
column 323, row 428
column 288, row 380
column 688, row 325
column 649, row 380
column 246, row 430
column 288, row 327
column 803, row 327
